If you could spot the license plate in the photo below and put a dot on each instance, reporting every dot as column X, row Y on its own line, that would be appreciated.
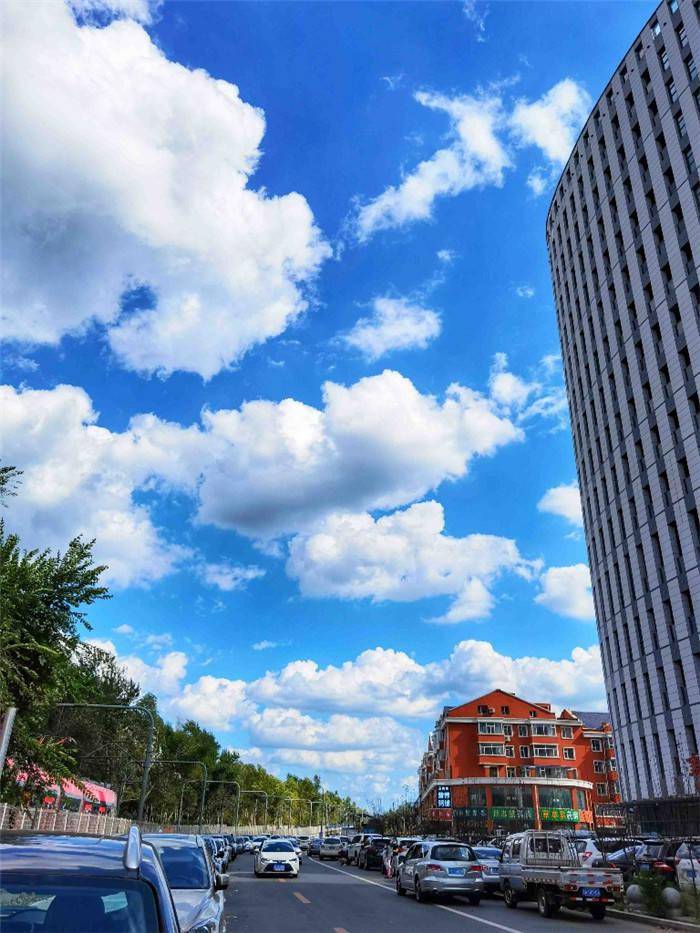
column 590, row 892
column 278, row 867
column 455, row 871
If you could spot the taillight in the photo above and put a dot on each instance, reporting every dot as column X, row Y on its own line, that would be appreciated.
column 475, row 868
column 662, row 866
column 431, row 866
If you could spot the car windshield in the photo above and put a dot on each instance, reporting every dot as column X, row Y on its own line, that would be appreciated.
column 488, row 852
column 30, row 901
column 185, row 865
column 684, row 853
column 332, row 841
column 379, row 843
column 278, row 847
column 452, row 853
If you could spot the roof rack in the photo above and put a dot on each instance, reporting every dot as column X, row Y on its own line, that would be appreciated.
column 132, row 852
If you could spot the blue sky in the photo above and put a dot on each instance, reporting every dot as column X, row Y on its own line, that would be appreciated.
column 213, row 208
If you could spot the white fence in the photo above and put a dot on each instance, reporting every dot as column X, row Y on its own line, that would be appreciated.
column 65, row 821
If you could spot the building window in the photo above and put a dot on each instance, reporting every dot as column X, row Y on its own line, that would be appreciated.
column 656, row 28
column 522, row 731
column 596, row 745
column 543, row 728
column 599, row 766
column 692, row 68
column 490, row 728
column 510, row 751
column 482, row 710
column 524, row 751
column 510, row 772
column 491, row 748
column 505, row 711
column 493, row 771
column 665, row 63
column 507, row 730
column 533, row 714
column 612, row 764
column 569, row 754
column 545, row 751
column 567, row 732
column 601, row 790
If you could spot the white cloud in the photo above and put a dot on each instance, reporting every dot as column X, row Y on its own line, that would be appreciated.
column 214, row 702
column 474, row 158
column 507, row 388
column 163, row 678
column 542, row 396
column 564, row 500
column 476, row 13
column 163, row 640
column 140, row 10
column 229, row 577
column 553, row 121
column 395, row 324
column 484, row 131
column 446, row 256
column 264, row 645
column 404, row 556
column 567, row 591
column 525, row 291
column 125, row 629
column 124, row 169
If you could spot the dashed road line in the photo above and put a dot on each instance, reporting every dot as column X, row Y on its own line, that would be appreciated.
column 339, row 930
column 300, row 897
column 451, row 910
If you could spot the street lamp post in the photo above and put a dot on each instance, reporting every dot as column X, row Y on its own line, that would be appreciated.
column 259, row 793
column 149, row 742
column 182, row 797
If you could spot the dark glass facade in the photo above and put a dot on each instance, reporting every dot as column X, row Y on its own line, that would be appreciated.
column 623, row 233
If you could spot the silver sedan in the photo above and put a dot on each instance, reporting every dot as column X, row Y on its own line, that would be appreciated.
column 434, row 868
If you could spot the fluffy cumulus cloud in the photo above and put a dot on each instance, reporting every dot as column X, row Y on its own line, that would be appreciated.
column 564, row 500
column 265, row 469
column 485, row 132
column 126, row 172
column 474, row 158
column 539, row 395
column 405, row 556
column 552, row 123
column 367, row 715
column 395, row 324
column 567, row 591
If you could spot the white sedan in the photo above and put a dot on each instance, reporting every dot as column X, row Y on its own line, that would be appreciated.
column 276, row 857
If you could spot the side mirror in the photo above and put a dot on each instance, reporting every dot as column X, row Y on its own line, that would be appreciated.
column 220, row 882
column 401, row 858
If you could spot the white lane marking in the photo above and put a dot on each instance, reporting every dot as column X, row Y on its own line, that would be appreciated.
column 300, row 897
column 451, row 910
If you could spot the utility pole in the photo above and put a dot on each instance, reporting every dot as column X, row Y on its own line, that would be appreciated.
column 7, row 721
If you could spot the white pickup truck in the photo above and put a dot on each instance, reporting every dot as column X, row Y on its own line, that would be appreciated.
column 543, row 866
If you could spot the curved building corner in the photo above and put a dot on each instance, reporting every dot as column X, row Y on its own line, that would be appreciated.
column 623, row 233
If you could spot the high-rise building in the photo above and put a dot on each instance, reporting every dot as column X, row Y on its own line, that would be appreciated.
column 623, row 232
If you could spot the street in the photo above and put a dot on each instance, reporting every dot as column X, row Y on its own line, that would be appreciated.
column 330, row 898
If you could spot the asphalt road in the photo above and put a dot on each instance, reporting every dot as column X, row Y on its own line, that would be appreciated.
column 332, row 898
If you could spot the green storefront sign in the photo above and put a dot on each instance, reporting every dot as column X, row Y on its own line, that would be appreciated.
column 512, row 813
column 558, row 815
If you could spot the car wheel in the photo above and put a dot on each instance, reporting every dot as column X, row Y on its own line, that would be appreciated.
column 474, row 899
column 418, row 893
column 544, row 903
column 400, row 890
column 510, row 897
column 598, row 912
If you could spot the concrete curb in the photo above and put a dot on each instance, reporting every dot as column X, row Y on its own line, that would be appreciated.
column 658, row 922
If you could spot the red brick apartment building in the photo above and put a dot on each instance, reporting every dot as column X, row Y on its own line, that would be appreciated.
column 498, row 763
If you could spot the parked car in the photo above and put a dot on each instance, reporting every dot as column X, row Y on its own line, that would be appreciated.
column 303, row 842
column 658, row 856
column 329, row 848
column 544, row 866
column 75, row 883
column 625, row 859
column 215, row 853
column 356, row 844
column 276, row 857
column 490, row 860
column 258, row 841
column 440, row 868
column 315, row 846
column 688, row 866
column 196, row 887
column 371, row 854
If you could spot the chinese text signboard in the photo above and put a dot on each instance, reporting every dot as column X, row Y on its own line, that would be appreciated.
column 443, row 796
column 558, row 815
column 512, row 813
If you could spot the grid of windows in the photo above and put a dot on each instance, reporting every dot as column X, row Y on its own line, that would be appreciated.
column 623, row 234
